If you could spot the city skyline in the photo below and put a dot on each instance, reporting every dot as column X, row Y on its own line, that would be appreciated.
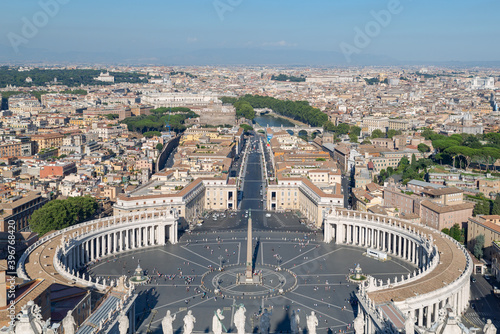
column 394, row 32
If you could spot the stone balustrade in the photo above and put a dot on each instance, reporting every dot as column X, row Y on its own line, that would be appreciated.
column 444, row 266
column 92, row 240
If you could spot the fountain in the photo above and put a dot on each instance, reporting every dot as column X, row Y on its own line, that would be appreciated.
column 138, row 277
column 358, row 276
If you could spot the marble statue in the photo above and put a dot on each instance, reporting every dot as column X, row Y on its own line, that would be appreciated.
column 489, row 328
column 359, row 323
column 240, row 319
column 312, row 323
column 69, row 323
column 265, row 322
column 294, row 323
column 29, row 321
column 167, row 322
column 123, row 323
column 189, row 321
column 217, row 322
column 410, row 324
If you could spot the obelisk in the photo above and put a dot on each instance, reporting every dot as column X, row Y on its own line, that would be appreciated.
column 249, row 271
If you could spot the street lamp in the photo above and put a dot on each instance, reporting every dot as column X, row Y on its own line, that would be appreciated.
column 220, row 262
column 278, row 259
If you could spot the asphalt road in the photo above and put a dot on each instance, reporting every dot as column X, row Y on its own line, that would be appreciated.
column 345, row 189
column 483, row 304
column 253, row 201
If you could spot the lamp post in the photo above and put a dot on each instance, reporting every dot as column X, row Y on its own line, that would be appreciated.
column 220, row 262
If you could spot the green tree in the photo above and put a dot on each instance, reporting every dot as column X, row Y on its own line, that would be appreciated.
column 403, row 163
column 446, row 231
column 478, row 246
column 329, row 126
column 391, row 133
column 495, row 208
column 150, row 134
column 356, row 130
column 465, row 152
column 228, row 99
column 442, row 144
column 246, row 127
column 343, row 129
column 377, row 134
column 59, row 214
column 366, row 142
column 422, row 148
column 456, row 233
column 159, row 147
column 111, row 116
column 353, row 138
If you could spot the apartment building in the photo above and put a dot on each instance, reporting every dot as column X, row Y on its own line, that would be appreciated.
column 302, row 195
column 373, row 123
column 22, row 147
column 489, row 226
column 438, row 206
column 18, row 211
column 444, row 216
column 405, row 202
column 57, row 169
column 398, row 124
column 46, row 141
column 24, row 103
column 392, row 158
column 341, row 156
column 188, row 201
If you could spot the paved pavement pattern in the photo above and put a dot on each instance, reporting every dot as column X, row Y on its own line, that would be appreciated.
column 176, row 273
column 185, row 276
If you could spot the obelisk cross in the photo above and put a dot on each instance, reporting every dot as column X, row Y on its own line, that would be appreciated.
column 249, row 271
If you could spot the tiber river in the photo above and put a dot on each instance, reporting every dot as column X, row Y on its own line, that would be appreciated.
column 265, row 120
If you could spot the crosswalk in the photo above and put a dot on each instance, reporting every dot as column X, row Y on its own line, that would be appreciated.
column 478, row 318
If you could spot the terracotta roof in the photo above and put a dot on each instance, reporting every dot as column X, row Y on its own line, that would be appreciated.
column 486, row 223
column 441, row 191
column 447, row 208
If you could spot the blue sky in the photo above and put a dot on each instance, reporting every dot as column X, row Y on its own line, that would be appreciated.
column 422, row 31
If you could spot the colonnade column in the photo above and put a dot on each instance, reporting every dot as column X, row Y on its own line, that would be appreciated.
column 82, row 254
column 405, row 241
column 400, row 243
column 98, row 247
column 421, row 316
column 126, row 240
column 132, row 242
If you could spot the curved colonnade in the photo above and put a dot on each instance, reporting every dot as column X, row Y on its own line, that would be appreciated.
column 442, row 277
column 84, row 243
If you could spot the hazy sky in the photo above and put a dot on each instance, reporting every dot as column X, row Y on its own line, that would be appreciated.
column 420, row 30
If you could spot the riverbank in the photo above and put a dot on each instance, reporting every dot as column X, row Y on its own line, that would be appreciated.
column 276, row 120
